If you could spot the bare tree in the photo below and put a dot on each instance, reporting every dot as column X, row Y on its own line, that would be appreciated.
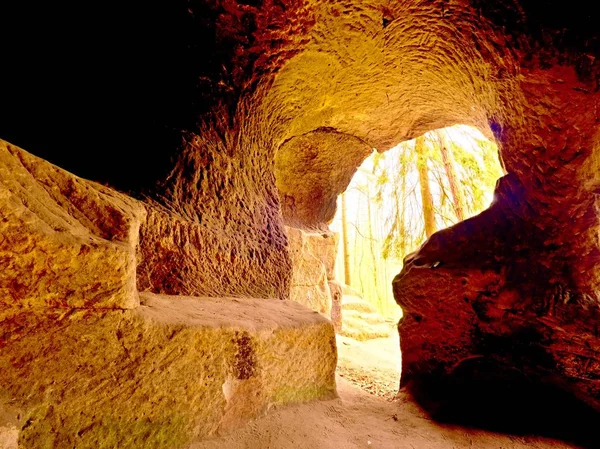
column 456, row 191
column 426, row 196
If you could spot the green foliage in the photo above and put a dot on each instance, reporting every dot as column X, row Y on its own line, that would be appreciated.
column 477, row 168
column 384, row 206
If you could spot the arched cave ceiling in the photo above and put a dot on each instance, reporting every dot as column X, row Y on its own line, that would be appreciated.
column 384, row 72
column 196, row 98
column 388, row 71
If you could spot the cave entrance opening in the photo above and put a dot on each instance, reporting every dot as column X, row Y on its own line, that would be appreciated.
column 394, row 202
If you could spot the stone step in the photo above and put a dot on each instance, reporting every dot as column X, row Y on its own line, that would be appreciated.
column 161, row 375
column 361, row 330
column 358, row 304
column 369, row 318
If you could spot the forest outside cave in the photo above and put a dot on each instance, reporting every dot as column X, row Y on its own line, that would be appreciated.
column 394, row 202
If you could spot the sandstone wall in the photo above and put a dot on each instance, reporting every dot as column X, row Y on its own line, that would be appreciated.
column 484, row 296
column 65, row 242
column 84, row 362
column 313, row 259
column 221, row 87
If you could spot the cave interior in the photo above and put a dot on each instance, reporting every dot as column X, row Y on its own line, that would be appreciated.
column 164, row 168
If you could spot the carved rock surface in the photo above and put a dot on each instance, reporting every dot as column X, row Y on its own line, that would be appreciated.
column 311, row 172
column 208, row 98
column 75, row 372
column 313, row 259
column 160, row 375
column 181, row 256
column 482, row 301
column 64, row 241
column 336, row 305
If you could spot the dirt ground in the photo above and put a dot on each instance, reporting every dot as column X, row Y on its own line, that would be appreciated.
column 373, row 365
column 365, row 416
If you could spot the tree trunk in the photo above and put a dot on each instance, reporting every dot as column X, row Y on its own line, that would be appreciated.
column 426, row 197
column 372, row 251
column 345, row 239
column 449, row 165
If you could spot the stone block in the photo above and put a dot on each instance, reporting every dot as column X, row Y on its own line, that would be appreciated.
column 310, row 257
column 158, row 376
column 64, row 241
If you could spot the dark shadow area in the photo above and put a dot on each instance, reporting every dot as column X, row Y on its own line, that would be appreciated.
column 483, row 394
column 573, row 28
column 107, row 90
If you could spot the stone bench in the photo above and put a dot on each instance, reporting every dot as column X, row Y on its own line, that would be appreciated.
column 87, row 361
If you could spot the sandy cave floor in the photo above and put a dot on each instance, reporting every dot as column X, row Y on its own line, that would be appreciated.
column 365, row 416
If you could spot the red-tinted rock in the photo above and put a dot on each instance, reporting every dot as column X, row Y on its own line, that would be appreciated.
column 486, row 293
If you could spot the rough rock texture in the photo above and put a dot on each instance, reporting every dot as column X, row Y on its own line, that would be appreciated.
column 64, row 241
column 313, row 260
column 159, row 375
column 213, row 99
column 524, row 74
column 336, row 305
column 183, row 129
column 483, row 302
column 189, row 257
column 221, row 198
column 98, row 374
column 72, row 236
column 310, row 176
column 314, row 86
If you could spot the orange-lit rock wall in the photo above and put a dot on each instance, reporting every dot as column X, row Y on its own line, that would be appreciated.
column 226, row 119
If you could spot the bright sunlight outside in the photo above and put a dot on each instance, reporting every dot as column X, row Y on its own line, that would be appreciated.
column 399, row 198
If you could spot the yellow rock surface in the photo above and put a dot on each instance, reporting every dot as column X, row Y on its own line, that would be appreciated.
column 160, row 375
column 64, row 241
column 313, row 258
